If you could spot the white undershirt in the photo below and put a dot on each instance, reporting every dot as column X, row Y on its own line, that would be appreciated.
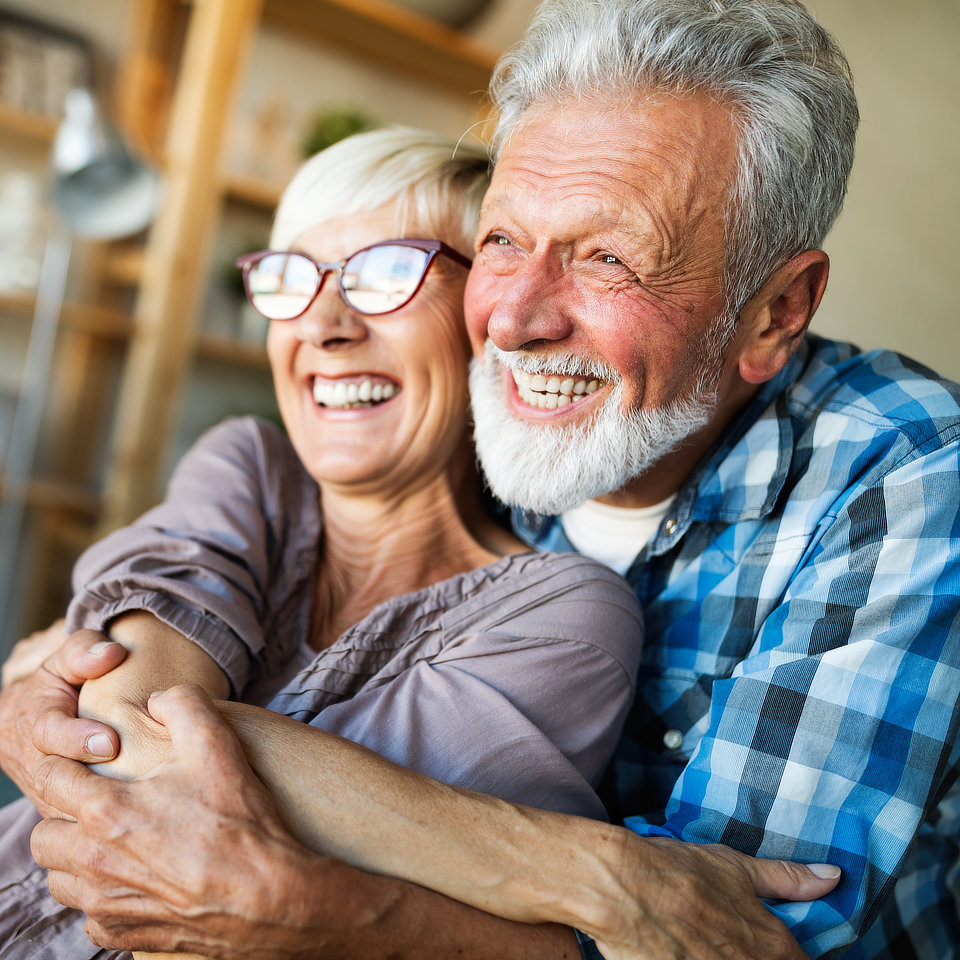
column 613, row 535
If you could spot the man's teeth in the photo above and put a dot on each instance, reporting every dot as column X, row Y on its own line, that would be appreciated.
column 349, row 396
column 548, row 393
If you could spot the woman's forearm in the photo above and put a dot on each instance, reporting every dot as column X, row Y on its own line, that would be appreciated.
column 158, row 657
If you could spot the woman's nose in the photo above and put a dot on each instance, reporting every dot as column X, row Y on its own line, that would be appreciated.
column 329, row 323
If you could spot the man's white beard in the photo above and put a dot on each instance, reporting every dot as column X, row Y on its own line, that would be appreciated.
column 550, row 469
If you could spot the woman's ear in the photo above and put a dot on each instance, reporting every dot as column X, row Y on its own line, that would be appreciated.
column 777, row 316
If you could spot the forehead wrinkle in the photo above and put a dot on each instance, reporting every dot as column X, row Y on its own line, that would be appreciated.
column 593, row 200
column 653, row 211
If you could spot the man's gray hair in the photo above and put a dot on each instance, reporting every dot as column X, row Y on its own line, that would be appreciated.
column 783, row 77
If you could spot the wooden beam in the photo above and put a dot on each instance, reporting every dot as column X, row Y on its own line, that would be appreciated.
column 145, row 79
column 177, row 258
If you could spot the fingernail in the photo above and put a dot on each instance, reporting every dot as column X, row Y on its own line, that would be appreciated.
column 156, row 693
column 100, row 745
column 825, row 871
column 100, row 646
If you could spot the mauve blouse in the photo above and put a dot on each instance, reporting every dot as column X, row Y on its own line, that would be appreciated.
column 513, row 679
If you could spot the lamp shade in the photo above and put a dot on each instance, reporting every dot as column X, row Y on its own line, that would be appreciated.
column 100, row 189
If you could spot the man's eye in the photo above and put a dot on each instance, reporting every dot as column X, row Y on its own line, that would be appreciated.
column 610, row 258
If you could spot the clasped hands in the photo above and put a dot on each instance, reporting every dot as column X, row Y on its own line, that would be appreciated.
column 192, row 855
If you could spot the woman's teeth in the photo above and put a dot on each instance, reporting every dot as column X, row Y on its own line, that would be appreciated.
column 349, row 396
column 548, row 393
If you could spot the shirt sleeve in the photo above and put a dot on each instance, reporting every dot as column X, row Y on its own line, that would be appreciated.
column 527, row 708
column 831, row 741
column 201, row 560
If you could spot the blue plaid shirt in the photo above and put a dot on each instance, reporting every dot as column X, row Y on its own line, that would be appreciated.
column 798, row 693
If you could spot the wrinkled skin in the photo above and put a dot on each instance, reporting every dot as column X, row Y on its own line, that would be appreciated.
column 38, row 705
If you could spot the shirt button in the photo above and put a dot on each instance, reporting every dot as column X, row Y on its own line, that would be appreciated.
column 673, row 739
column 669, row 528
column 532, row 521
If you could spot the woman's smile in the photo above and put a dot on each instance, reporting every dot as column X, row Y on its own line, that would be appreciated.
column 353, row 392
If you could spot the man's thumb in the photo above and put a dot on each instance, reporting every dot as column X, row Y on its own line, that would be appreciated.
column 782, row 880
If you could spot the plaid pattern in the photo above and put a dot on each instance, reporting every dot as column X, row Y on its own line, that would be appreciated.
column 798, row 693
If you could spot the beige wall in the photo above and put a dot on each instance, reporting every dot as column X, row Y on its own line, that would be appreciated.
column 895, row 249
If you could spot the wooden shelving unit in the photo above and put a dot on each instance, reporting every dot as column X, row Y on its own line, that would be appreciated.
column 51, row 494
column 250, row 190
column 229, row 350
column 81, row 317
column 32, row 126
column 392, row 35
column 175, row 93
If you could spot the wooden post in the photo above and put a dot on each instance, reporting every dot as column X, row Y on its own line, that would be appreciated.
column 177, row 256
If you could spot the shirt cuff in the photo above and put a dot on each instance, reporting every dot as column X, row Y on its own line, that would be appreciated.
column 588, row 949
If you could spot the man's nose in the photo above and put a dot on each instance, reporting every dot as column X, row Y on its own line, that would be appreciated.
column 535, row 304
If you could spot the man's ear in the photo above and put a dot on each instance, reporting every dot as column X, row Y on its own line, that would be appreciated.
column 777, row 316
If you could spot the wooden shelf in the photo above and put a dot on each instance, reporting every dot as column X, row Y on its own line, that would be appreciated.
column 240, row 352
column 390, row 35
column 22, row 123
column 53, row 494
column 87, row 318
column 124, row 266
column 251, row 190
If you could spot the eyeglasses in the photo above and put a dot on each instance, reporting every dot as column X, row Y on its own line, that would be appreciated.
column 378, row 279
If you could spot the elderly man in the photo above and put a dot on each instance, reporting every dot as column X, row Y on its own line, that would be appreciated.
column 786, row 508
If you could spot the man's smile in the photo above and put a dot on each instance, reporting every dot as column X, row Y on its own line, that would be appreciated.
column 550, row 392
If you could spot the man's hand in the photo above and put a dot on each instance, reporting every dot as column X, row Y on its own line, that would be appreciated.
column 700, row 901
column 38, row 713
column 174, row 861
column 28, row 654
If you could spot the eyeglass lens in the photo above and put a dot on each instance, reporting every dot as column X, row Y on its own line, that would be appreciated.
column 377, row 280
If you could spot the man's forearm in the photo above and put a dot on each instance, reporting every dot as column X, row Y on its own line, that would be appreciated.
column 339, row 798
column 368, row 917
column 522, row 864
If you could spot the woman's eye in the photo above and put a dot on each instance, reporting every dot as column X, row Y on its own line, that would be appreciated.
column 498, row 239
column 610, row 258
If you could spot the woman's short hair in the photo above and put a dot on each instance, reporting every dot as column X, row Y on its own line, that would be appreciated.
column 783, row 77
column 438, row 182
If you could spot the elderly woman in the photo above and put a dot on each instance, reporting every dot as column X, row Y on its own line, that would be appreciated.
column 348, row 574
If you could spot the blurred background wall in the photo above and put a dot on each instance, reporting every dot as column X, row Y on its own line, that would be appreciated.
column 155, row 343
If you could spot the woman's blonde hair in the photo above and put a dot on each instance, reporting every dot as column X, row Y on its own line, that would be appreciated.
column 437, row 182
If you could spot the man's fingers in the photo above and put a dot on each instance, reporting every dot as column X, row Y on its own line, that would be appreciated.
column 86, row 655
column 27, row 655
column 64, row 784
column 64, row 887
column 194, row 725
column 89, row 741
column 782, row 880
